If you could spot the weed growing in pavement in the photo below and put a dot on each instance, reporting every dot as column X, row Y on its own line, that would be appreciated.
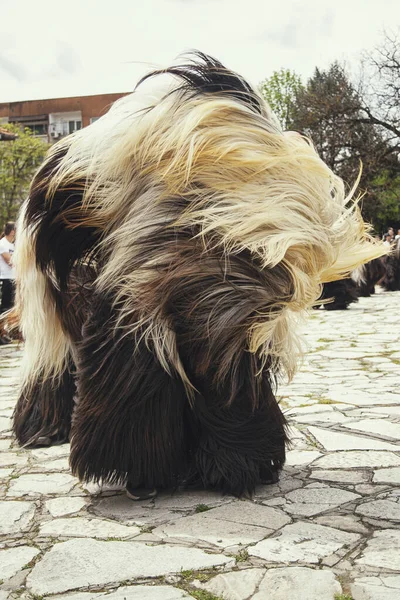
column 202, row 508
column 242, row 556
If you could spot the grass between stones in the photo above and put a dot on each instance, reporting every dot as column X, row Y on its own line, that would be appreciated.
column 242, row 556
column 343, row 597
column 147, row 528
column 187, row 584
column 202, row 508
column 203, row 595
column 203, row 576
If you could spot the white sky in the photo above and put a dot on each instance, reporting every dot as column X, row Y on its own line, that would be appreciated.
column 51, row 49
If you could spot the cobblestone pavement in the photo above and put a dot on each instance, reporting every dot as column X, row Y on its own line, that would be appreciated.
column 329, row 529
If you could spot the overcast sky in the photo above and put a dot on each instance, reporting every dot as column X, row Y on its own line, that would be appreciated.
column 51, row 49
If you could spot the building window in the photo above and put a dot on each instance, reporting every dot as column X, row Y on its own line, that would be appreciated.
column 74, row 126
column 93, row 119
column 37, row 128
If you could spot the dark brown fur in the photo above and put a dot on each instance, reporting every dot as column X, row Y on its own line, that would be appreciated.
column 343, row 293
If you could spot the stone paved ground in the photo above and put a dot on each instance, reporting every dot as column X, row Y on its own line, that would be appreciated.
column 330, row 527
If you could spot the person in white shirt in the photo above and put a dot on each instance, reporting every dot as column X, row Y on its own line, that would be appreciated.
column 7, row 274
column 387, row 239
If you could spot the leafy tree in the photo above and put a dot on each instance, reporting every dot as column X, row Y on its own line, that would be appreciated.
column 329, row 110
column 19, row 160
column 280, row 90
column 386, row 208
column 325, row 109
column 381, row 88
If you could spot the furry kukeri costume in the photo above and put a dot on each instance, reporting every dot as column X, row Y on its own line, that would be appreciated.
column 339, row 294
column 369, row 275
column 164, row 255
column 391, row 263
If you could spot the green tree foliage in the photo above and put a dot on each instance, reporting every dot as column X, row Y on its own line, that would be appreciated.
column 329, row 110
column 281, row 90
column 325, row 111
column 386, row 209
column 19, row 160
column 380, row 83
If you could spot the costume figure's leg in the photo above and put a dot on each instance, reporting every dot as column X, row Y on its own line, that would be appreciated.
column 343, row 292
column 43, row 413
column 7, row 295
column 128, row 423
column 44, row 409
column 240, row 446
column 391, row 279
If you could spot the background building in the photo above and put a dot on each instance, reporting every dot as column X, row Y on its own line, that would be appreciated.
column 52, row 119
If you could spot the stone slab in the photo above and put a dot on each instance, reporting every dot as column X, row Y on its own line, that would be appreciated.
column 128, row 512
column 322, row 417
column 236, row 585
column 302, row 543
column 5, row 424
column 189, row 499
column 14, row 559
column 312, row 501
column 51, row 452
column 340, row 476
column 366, row 489
column 15, row 517
column 301, row 457
column 84, row 562
column 361, row 398
column 83, row 527
column 59, row 464
column 380, row 509
column 13, row 459
column 249, row 513
column 381, row 410
column 345, row 522
column 212, row 531
column 391, row 475
column 382, row 551
column 381, row 427
column 305, row 410
column 357, row 459
column 300, row 583
column 134, row 592
column 5, row 473
column 40, row 484
column 58, row 507
column 376, row 588
column 333, row 441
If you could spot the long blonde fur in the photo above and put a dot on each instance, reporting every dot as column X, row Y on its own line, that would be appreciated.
column 46, row 345
column 246, row 185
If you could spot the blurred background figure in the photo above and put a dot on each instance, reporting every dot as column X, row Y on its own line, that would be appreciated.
column 7, row 274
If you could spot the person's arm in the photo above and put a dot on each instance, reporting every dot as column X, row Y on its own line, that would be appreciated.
column 7, row 257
